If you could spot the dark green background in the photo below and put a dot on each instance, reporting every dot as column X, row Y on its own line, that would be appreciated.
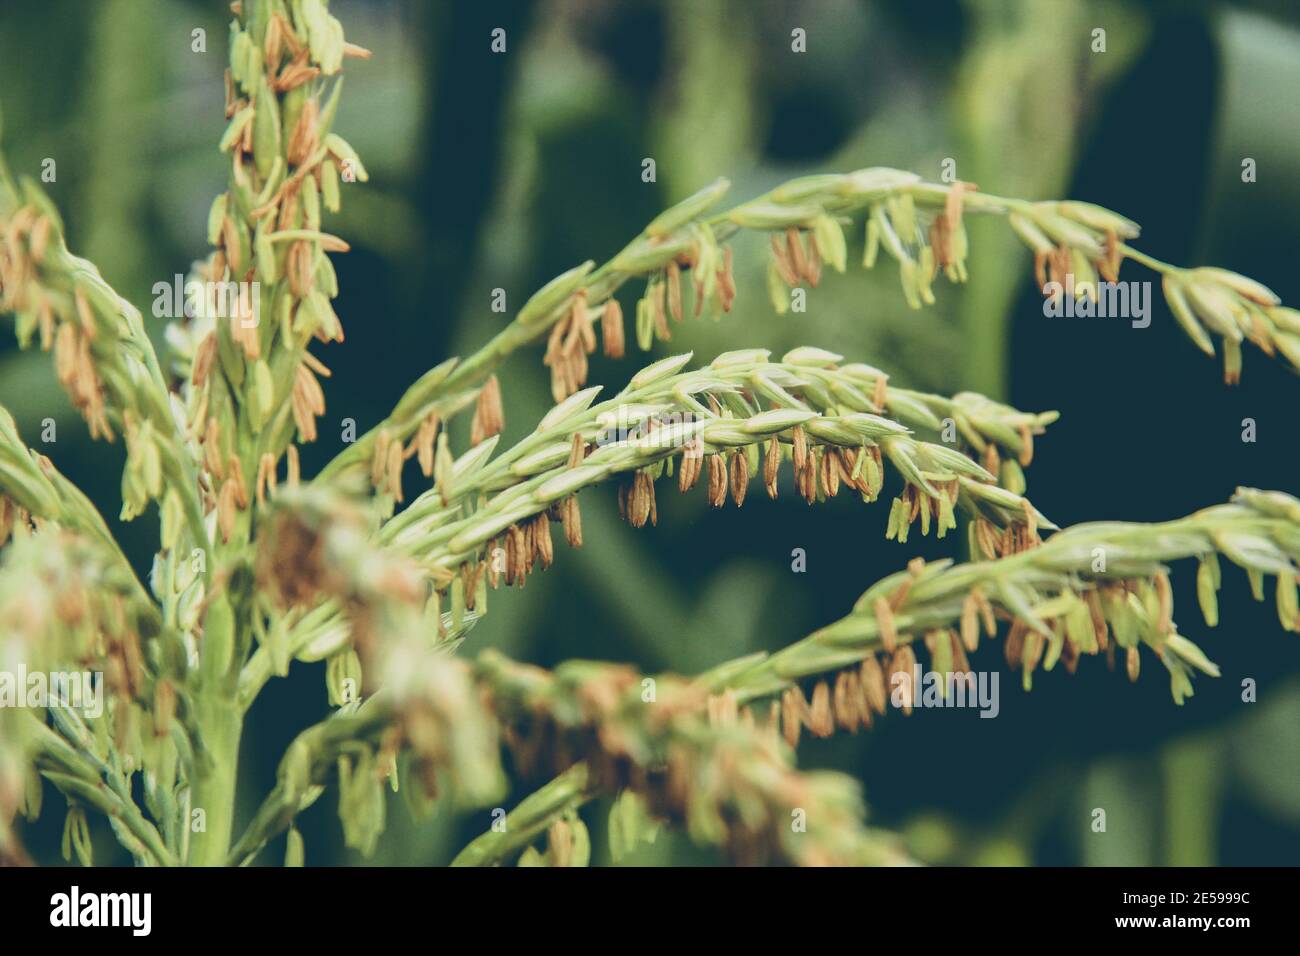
column 503, row 170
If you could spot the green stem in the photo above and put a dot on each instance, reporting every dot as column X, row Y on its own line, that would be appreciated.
column 214, row 790
column 522, row 825
column 1151, row 262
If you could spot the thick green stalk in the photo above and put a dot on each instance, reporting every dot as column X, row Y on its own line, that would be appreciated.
column 221, row 724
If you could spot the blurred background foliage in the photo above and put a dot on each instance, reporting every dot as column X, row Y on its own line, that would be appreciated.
column 503, row 170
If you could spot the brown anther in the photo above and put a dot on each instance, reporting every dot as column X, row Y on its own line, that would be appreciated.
column 717, row 488
column 739, row 477
column 489, row 418
column 611, row 329
column 772, row 465
column 821, row 719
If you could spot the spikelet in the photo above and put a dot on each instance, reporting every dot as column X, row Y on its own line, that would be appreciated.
column 885, row 621
column 611, row 329
column 640, row 501
column 691, row 465
column 903, row 663
column 739, row 477
column 422, row 445
column 970, row 636
column 307, row 401
column 571, row 340
column 543, row 544
column 674, row 290
column 726, row 282
column 489, row 418
column 379, row 459
column 1165, row 597
column 795, row 254
column 717, row 488
column 294, row 472
column 794, row 710
column 821, row 718
column 772, row 465
column 781, row 258
column 393, row 471
column 266, row 478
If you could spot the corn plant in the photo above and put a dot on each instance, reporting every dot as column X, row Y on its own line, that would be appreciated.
column 260, row 566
